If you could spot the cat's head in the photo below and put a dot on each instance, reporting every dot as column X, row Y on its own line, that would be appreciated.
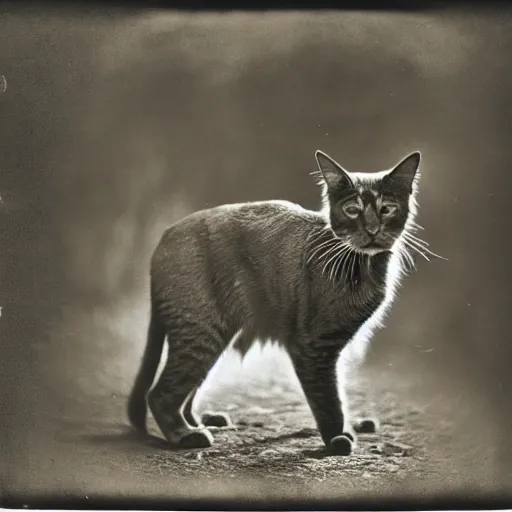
column 369, row 211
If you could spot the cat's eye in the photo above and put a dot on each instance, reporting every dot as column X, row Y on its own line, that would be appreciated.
column 388, row 209
column 351, row 210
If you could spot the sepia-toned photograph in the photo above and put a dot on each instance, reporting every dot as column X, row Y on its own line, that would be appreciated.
column 255, row 259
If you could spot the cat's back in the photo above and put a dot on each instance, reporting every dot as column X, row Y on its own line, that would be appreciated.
column 221, row 224
column 244, row 216
column 227, row 234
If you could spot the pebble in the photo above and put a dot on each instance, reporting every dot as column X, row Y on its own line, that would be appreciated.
column 255, row 409
column 199, row 455
column 369, row 437
column 269, row 452
column 394, row 448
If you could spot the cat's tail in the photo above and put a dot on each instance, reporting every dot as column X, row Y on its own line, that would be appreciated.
column 137, row 406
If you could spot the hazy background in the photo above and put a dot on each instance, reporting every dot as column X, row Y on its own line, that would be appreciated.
column 116, row 124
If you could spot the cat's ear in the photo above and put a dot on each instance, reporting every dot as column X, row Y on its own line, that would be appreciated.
column 334, row 175
column 406, row 170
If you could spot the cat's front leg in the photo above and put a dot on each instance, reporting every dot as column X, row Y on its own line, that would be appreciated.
column 315, row 367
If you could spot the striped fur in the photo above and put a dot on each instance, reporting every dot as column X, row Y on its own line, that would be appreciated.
column 272, row 270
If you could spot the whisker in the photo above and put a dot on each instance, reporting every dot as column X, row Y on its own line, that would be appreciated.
column 409, row 258
column 415, row 243
column 406, row 257
column 338, row 255
column 342, row 258
column 321, row 246
column 320, row 236
column 338, row 248
column 335, row 266
column 345, row 260
column 423, row 244
column 346, row 263
column 420, row 240
column 327, row 252
column 332, row 258
column 418, row 244
column 408, row 243
column 417, row 226
column 364, row 261
column 352, row 266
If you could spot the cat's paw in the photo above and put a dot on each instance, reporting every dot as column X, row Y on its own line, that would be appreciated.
column 217, row 420
column 342, row 445
column 366, row 426
column 197, row 439
column 351, row 435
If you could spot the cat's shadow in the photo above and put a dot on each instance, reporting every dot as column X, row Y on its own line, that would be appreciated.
column 317, row 453
column 125, row 435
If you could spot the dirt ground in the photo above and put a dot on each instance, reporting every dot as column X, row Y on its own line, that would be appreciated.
column 274, row 454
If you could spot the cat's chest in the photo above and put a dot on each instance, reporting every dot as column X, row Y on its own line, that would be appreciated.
column 346, row 306
column 340, row 313
column 357, row 299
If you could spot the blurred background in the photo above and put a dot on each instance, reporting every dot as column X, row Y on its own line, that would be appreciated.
column 116, row 123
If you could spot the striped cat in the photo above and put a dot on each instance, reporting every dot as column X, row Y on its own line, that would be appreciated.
column 314, row 282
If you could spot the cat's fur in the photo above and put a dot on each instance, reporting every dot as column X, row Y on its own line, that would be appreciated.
column 273, row 270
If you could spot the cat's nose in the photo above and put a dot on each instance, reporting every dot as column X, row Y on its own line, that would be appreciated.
column 372, row 229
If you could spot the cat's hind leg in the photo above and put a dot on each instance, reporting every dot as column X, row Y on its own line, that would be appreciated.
column 217, row 419
column 365, row 426
column 208, row 418
column 190, row 417
column 191, row 355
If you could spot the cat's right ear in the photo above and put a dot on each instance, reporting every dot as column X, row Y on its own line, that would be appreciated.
column 334, row 175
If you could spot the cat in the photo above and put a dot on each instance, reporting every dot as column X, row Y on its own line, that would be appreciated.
column 315, row 282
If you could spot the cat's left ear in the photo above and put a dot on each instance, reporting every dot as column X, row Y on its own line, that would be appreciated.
column 406, row 170
column 334, row 175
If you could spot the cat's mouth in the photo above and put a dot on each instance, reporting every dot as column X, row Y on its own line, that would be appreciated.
column 373, row 247
column 372, row 244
